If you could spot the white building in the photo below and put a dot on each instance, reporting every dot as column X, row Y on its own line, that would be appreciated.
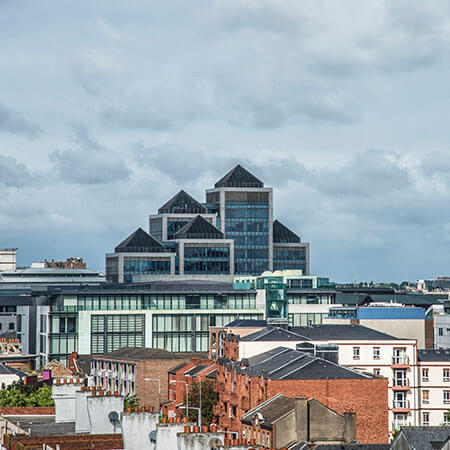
column 7, row 259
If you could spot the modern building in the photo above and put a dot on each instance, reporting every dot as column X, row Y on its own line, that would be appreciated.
column 233, row 232
column 7, row 259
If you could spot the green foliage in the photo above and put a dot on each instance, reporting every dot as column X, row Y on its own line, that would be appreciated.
column 17, row 394
column 131, row 401
column 209, row 399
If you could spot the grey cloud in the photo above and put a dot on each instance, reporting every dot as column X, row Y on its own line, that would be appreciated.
column 89, row 163
column 13, row 122
column 13, row 173
column 436, row 163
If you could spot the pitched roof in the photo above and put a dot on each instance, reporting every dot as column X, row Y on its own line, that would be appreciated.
column 283, row 363
column 271, row 410
column 6, row 370
column 353, row 447
column 433, row 355
column 247, row 323
column 344, row 332
column 182, row 203
column 199, row 228
column 282, row 234
column 425, row 438
column 139, row 353
column 274, row 334
column 239, row 177
column 139, row 242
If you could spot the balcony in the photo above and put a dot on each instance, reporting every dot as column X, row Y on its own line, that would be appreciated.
column 400, row 384
column 400, row 361
column 400, row 405
column 398, row 425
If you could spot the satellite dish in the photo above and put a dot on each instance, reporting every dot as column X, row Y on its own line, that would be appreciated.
column 152, row 436
column 113, row 417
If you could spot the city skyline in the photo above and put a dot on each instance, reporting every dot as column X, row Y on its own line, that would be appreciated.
column 344, row 115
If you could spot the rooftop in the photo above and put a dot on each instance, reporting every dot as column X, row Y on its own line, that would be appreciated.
column 139, row 354
column 7, row 370
column 425, row 438
column 274, row 334
column 271, row 410
column 247, row 323
column 282, row 234
column 433, row 355
column 353, row 447
column 239, row 177
column 283, row 363
column 42, row 425
column 139, row 242
column 199, row 228
column 182, row 203
column 340, row 332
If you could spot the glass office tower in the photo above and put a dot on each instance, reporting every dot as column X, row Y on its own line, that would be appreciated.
column 245, row 214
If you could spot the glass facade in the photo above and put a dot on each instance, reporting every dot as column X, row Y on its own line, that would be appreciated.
column 305, row 319
column 112, row 270
column 212, row 258
column 173, row 226
column 247, row 221
column 156, row 228
column 143, row 265
column 310, row 298
column 285, row 258
column 63, row 336
column 113, row 331
column 189, row 332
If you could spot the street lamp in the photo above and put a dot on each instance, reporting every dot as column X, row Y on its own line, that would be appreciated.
column 159, row 391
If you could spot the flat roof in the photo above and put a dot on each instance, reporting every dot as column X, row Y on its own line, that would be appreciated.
column 42, row 425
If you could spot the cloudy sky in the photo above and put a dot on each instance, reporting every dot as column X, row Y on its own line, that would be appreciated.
column 108, row 108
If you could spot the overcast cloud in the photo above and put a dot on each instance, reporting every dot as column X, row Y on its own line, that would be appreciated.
column 107, row 110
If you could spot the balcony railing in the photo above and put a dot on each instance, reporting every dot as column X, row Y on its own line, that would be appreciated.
column 400, row 360
column 397, row 425
column 400, row 382
column 401, row 404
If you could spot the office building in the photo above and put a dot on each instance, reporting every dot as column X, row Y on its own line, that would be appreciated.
column 7, row 259
column 233, row 232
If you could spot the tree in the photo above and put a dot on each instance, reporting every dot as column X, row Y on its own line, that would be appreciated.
column 18, row 394
column 209, row 399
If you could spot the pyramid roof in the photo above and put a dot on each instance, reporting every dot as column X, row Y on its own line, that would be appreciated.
column 239, row 177
column 199, row 228
column 182, row 203
column 139, row 242
column 282, row 234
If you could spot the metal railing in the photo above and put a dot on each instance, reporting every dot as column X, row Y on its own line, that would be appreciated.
column 400, row 360
column 400, row 382
column 401, row 404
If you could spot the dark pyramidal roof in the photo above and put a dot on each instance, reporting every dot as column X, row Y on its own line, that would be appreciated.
column 182, row 203
column 239, row 177
column 198, row 228
column 283, row 234
column 139, row 242
column 426, row 438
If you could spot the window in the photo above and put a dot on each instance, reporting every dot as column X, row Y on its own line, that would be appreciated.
column 11, row 325
column 446, row 420
column 376, row 371
column 355, row 352
column 446, row 374
column 376, row 353
column 426, row 397
column 425, row 374
column 440, row 331
column 425, row 419
column 447, row 397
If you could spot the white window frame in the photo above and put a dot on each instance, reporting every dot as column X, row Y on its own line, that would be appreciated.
column 446, row 397
column 426, row 419
column 446, row 374
column 376, row 353
column 356, row 352
column 426, row 371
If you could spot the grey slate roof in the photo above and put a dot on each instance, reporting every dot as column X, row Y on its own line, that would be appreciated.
column 138, row 354
column 282, row 234
column 247, row 323
column 271, row 410
column 344, row 332
column 139, row 242
column 239, row 177
column 353, row 447
column 7, row 370
column 182, row 203
column 199, row 228
column 425, row 438
column 274, row 334
column 42, row 425
column 433, row 355
column 283, row 363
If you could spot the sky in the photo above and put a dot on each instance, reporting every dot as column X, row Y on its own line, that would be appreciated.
column 108, row 108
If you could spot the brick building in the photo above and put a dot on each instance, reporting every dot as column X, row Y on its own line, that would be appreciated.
column 242, row 385
column 182, row 376
column 136, row 371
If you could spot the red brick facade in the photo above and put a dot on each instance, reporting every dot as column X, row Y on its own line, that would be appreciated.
column 238, row 393
column 27, row 410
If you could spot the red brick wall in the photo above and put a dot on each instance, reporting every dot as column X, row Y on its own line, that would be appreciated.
column 368, row 398
column 27, row 410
